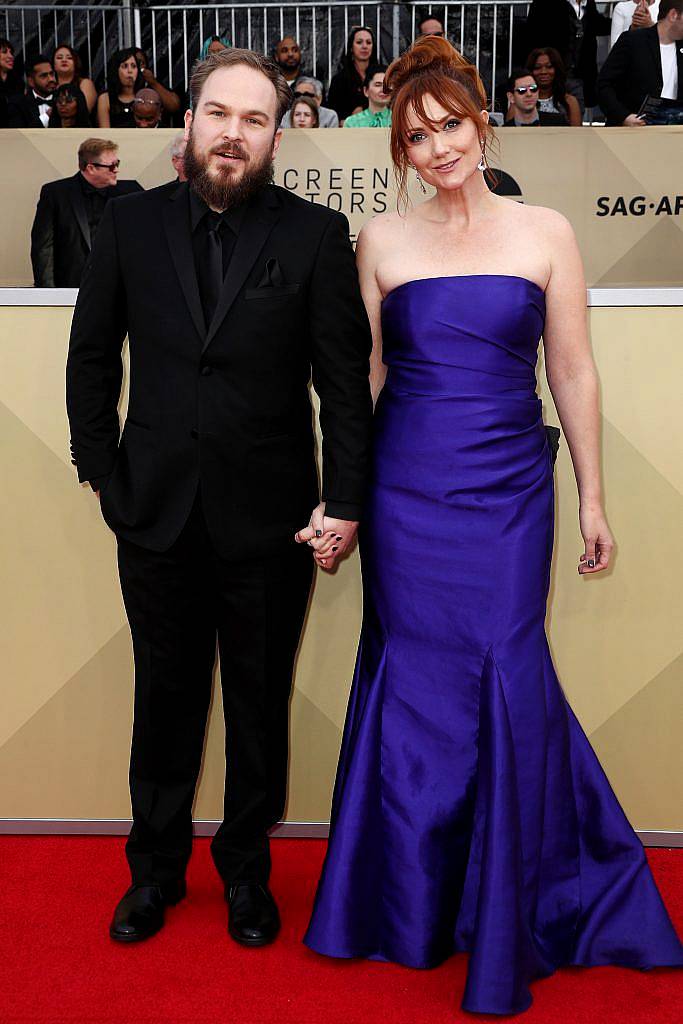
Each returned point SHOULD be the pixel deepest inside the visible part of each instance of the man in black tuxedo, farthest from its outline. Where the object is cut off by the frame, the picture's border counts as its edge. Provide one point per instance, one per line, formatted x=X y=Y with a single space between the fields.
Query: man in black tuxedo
x=69 y=212
x=214 y=473
x=636 y=66
x=572 y=27
x=34 y=108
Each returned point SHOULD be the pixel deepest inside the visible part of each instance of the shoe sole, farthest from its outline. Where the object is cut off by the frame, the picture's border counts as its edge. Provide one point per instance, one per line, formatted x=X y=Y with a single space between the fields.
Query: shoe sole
x=133 y=938
x=252 y=943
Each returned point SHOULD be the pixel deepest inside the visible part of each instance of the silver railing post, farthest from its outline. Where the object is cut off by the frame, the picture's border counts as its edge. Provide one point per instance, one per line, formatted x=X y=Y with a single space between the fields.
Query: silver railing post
x=127 y=22
x=395 y=29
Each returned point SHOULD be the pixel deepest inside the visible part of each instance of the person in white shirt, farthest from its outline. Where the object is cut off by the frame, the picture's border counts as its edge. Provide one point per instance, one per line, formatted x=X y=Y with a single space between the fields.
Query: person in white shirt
x=642 y=65
x=631 y=15
x=33 y=110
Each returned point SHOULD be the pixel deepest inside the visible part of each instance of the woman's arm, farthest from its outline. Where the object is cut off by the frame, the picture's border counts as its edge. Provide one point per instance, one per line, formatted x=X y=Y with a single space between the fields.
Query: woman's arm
x=88 y=89
x=366 y=260
x=573 y=381
x=574 y=111
x=170 y=101
x=103 y=120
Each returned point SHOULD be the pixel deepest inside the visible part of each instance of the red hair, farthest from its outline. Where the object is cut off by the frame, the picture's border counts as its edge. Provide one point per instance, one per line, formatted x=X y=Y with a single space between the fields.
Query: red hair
x=431 y=67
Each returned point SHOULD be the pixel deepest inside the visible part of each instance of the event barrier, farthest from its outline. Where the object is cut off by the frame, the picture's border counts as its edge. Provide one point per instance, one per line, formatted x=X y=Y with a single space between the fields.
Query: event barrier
x=67 y=669
x=172 y=34
x=618 y=187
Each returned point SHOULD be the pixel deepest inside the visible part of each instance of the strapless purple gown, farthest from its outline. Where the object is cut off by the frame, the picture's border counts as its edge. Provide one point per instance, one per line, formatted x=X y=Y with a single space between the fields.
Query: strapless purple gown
x=470 y=812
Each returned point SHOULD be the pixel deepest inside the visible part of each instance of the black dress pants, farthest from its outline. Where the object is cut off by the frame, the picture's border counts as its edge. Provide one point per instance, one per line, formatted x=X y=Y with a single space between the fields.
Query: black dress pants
x=178 y=603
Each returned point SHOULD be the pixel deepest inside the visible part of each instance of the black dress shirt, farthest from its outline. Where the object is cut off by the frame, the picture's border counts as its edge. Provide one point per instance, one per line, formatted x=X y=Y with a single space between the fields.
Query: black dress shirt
x=95 y=200
x=202 y=221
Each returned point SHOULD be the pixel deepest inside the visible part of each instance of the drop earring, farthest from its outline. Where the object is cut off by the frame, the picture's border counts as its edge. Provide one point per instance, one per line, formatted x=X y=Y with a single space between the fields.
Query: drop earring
x=420 y=182
x=481 y=166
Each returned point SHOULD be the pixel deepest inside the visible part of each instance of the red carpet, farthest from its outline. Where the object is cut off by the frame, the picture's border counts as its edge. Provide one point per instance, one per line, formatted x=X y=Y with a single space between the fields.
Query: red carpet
x=58 y=965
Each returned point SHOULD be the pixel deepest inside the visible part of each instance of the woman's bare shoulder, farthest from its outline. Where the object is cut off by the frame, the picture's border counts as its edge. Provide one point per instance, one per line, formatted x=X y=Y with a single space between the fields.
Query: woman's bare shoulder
x=381 y=227
x=541 y=218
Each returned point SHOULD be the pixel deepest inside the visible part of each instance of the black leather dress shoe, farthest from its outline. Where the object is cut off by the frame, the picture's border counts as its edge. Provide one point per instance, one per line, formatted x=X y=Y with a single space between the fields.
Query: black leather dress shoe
x=140 y=914
x=253 y=918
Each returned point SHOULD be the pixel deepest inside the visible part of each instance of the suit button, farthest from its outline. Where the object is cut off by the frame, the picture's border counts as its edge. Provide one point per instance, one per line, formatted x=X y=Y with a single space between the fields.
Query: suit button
x=206 y=371
x=194 y=434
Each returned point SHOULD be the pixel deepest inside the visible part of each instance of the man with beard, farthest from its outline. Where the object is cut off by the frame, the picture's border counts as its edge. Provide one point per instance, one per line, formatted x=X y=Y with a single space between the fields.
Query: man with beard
x=288 y=58
x=214 y=475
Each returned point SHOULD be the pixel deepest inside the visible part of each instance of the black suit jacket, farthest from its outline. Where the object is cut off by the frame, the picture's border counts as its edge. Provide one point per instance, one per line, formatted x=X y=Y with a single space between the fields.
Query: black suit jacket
x=23 y=112
x=632 y=71
x=223 y=406
x=552 y=23
x=60 y=236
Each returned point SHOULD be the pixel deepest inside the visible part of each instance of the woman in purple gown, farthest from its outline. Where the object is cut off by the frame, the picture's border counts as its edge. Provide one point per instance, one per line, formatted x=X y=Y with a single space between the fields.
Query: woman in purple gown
x=470 y=812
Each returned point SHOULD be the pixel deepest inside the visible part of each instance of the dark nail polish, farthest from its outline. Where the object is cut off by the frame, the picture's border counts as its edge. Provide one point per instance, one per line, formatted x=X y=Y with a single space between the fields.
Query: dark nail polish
x=338 y=537
x=318 y=533
x=335 y=549
x=591 y=563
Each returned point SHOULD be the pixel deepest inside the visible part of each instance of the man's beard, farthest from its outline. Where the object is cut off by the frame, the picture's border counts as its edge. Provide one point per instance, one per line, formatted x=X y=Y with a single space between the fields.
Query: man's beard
x=222 y=191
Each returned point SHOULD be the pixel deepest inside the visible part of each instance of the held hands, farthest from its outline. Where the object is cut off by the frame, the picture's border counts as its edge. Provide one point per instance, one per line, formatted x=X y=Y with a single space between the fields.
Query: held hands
x=597 y=539
x=329 y=538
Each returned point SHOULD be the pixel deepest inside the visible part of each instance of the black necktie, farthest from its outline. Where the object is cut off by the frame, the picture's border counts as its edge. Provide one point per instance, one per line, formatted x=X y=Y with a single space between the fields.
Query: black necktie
x=211 y=271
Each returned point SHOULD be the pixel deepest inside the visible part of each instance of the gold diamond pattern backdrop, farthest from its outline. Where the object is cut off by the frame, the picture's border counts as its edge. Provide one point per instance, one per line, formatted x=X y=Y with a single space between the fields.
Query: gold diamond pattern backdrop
x=65 y=719
x=67 y=669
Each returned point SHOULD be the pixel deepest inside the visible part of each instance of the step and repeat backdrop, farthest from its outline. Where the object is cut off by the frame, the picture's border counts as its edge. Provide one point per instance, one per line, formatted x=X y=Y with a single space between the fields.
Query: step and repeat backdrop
x=66 y=698
x=618 y=187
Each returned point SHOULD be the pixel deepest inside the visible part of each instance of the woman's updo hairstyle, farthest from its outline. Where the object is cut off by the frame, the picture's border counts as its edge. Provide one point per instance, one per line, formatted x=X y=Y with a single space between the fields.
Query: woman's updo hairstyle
x=431 y=67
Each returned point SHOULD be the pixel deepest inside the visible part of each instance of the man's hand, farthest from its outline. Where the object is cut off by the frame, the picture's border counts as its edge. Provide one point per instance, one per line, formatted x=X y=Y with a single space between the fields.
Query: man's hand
x=329 y=538
x=633 y=121
x=641 y=16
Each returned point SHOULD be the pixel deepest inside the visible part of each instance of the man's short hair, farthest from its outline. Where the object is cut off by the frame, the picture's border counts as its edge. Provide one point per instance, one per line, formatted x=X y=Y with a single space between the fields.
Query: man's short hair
x=314 y=83
x=233 y=58
x=177 y=147
x=33 y=62
x=669 y=5
x=426 y=16
x=90 y=150
x=373 y=69
x=518 y=73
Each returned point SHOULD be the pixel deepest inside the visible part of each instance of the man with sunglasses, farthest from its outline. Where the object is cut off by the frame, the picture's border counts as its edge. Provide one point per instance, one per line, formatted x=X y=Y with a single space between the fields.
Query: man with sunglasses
x=311 y=87
x=523 y=112
x=69 y=213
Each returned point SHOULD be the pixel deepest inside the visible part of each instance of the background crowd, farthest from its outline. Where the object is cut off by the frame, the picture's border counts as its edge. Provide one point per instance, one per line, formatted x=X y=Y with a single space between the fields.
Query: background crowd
x=556 y=82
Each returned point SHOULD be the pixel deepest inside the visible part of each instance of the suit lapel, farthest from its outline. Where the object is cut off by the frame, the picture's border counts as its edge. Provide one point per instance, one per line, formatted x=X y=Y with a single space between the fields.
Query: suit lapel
x=679 y=61
x=76 y=197
x=656 y=54
x=257 y=225
x=176 y=218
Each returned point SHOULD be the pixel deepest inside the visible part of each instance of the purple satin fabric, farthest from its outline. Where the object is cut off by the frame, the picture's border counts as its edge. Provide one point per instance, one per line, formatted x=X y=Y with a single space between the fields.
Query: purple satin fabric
x=470 y=812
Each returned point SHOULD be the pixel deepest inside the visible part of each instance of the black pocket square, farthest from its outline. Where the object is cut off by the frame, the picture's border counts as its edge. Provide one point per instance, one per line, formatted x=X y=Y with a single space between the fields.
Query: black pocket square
x=272 y=275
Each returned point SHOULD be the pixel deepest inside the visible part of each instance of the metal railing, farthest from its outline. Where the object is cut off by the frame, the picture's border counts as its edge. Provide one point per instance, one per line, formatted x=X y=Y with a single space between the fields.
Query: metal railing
x=483 y=30
x=173 y=35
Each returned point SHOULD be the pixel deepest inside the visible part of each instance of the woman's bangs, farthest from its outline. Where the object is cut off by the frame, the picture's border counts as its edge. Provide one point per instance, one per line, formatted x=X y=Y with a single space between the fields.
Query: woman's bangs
x=448 y=93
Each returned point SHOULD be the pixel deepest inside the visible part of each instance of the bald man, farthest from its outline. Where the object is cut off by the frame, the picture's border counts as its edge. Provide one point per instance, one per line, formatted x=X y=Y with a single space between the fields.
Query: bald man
x=288 y=58
x=147 y=109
